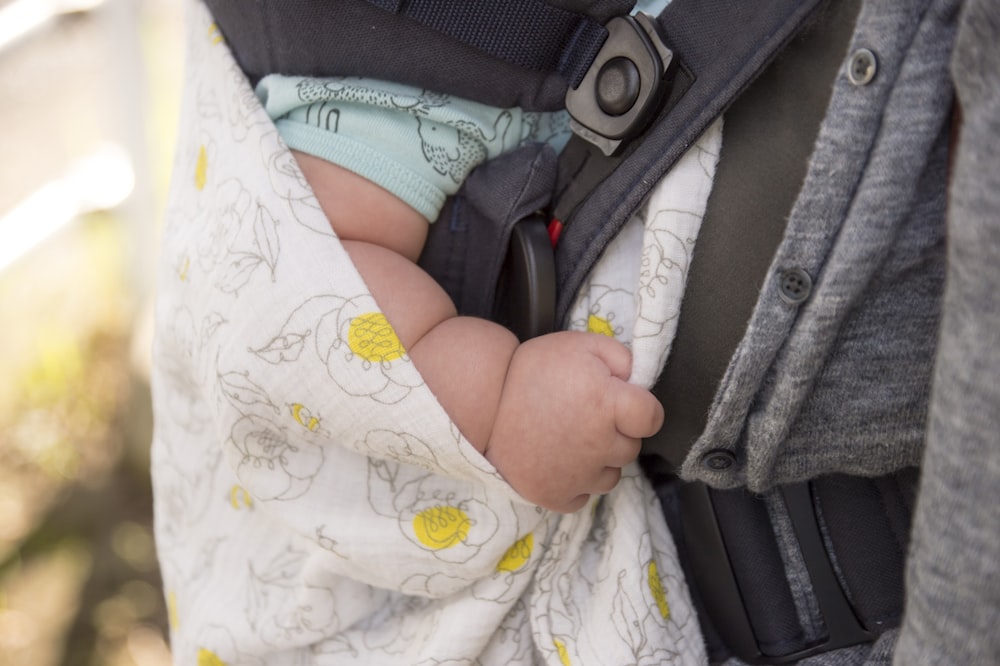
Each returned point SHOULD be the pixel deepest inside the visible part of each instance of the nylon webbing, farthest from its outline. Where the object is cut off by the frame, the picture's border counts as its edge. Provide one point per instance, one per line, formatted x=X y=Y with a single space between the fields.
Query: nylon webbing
x=527 y=33
x=759 y=570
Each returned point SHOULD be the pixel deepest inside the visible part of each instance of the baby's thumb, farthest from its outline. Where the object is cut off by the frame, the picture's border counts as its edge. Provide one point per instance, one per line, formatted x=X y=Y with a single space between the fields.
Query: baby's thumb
x=638 y=413
x=613 y=354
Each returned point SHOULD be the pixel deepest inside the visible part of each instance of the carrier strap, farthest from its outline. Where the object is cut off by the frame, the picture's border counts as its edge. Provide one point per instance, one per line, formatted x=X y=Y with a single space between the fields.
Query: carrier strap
x=512 y=53
x=527 y=33
x=719 y=49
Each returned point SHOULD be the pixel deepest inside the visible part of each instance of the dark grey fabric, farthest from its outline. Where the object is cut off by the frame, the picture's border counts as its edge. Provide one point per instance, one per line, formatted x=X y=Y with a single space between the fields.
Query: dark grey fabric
x=532 y=34
x=854 y=517
x=461 y=251
x=867 y=523
x=878 y=653
x=721 y=48
x=336 y=38
x=757 y=565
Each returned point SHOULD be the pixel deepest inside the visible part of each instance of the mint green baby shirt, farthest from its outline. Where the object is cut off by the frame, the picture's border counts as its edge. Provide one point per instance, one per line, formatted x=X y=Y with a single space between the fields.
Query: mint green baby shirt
x=417 y=144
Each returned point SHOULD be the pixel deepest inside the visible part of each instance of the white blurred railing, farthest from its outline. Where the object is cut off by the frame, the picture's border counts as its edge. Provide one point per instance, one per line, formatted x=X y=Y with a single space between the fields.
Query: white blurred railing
x=20 y=18
x=100 y=181
x=115 y=173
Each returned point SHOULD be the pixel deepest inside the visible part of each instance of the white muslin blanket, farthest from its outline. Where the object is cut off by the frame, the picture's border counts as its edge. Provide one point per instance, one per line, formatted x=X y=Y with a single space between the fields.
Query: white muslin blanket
x=314 y=503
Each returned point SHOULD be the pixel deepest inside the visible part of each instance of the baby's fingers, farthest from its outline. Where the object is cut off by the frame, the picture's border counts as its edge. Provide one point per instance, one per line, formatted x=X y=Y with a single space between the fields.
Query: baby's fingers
x=637 y=411
x=612 y=353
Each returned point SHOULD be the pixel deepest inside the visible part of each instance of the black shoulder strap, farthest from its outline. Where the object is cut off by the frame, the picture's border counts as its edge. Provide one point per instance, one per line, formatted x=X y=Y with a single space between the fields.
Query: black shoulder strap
x=850 y=534
x=504 y=54
x=532 y=34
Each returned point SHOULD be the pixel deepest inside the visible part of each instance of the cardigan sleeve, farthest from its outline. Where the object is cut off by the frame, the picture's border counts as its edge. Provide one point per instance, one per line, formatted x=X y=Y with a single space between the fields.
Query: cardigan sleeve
x=953 y=601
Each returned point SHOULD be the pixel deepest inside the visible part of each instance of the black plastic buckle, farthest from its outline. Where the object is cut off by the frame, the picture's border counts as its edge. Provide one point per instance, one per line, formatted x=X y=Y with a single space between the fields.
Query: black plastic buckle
x=621 y=91
x=526 y=290
x=719 y=588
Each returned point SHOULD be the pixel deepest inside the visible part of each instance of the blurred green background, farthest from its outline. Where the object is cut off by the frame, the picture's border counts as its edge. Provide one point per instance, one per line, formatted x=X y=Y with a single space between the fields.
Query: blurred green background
x=88 y=100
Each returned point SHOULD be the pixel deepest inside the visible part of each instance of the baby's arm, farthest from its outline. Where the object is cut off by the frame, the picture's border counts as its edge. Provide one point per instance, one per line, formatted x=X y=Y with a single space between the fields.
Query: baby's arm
x=554 y=415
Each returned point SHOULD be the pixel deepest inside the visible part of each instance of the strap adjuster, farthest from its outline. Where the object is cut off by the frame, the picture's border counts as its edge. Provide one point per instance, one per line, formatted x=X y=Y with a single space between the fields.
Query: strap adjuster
x=526 y=289
x=621 y=91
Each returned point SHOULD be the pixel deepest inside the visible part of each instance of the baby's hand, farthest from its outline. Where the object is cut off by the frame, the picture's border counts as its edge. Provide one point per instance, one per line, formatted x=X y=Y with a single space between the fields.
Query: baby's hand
x=568 y=421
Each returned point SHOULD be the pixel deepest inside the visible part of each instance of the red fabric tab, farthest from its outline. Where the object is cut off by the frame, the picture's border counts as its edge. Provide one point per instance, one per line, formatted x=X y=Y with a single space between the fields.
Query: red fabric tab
x=555 y=230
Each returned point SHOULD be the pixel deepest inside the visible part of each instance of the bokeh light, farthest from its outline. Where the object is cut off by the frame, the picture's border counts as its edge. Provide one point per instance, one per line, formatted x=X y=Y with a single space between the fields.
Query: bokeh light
x=88 y=101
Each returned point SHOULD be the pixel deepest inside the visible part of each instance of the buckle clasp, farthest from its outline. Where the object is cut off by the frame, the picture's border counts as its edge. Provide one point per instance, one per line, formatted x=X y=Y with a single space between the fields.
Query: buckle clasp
x=624 y=86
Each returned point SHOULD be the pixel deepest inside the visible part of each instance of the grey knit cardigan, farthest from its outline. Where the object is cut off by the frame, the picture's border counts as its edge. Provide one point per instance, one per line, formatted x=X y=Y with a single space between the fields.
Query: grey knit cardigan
x=894 y=359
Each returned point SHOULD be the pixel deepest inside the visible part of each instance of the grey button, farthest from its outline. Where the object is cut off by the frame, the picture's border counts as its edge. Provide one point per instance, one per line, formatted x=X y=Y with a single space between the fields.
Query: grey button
x=618 y=85
x=718 y=460
x=794 y=286
x=862 y=67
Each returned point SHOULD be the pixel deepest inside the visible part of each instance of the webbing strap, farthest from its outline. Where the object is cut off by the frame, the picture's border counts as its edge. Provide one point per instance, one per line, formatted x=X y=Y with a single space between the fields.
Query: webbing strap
x=849 y=536
x=758 y=569
x=528 y=33
x=867 y=523
x=721 y=47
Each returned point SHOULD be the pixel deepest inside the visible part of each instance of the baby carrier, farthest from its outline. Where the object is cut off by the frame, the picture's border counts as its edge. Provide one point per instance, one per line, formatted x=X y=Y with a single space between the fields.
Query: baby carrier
x=640 y=91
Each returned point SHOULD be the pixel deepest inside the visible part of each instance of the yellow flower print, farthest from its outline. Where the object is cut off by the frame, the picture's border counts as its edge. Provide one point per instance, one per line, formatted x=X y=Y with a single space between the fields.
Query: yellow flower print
x=304 y=417
x=214 y=34
x=603 y=311
x=372 y=337
x=453 y=527
x=184 y=269
x=656 y=588
x=600 y=325
x=216 y=647
x=201 y=168
x=562 y=651
x=172 y=616
x=441 y=527
x=362 y=352
x=239 y=498
x=517 y=555
x=208 y=658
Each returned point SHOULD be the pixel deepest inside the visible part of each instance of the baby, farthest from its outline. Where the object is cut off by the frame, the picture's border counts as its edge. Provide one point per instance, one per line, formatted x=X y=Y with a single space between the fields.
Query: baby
x=557 y=402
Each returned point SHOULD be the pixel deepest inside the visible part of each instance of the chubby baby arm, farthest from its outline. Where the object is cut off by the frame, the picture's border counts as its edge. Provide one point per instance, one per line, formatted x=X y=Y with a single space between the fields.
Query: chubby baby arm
x=554 y=415
x=462 y=359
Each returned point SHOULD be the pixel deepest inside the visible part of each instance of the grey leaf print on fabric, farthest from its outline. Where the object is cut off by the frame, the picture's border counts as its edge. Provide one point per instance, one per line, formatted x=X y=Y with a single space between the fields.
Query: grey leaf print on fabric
x=243 y=393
